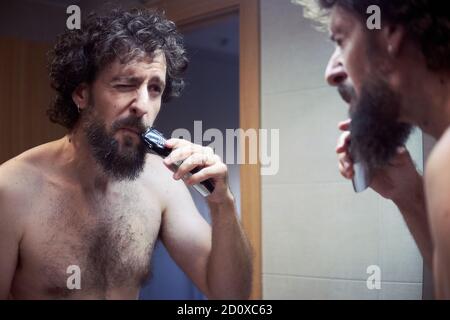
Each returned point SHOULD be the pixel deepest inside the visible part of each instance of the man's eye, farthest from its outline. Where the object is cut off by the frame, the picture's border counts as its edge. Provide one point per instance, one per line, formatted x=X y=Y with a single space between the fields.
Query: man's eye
x=124 y=86
x=155 y=88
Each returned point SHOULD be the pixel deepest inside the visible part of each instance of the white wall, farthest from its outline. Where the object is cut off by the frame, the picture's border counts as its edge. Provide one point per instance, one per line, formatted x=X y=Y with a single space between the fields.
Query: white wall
x=318 y=236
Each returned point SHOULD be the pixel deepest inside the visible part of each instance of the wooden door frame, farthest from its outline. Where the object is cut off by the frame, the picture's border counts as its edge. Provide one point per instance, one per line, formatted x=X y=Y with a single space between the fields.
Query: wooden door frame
x=188 y=13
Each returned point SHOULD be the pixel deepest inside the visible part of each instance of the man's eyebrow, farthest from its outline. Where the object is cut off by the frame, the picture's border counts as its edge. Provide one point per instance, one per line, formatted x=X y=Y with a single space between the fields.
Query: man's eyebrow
x=126 y=78
x=335 y=32
x=133 y=79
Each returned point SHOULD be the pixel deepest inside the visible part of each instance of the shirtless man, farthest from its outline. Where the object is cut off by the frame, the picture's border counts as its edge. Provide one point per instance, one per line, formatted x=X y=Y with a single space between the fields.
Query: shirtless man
x=393 y=78
x=94 y=199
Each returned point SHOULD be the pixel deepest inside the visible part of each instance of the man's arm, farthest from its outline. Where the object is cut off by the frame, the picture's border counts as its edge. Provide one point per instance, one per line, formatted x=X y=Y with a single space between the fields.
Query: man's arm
x=399 y=182
x=9 y=236
x=216 y=258
x=437 y=186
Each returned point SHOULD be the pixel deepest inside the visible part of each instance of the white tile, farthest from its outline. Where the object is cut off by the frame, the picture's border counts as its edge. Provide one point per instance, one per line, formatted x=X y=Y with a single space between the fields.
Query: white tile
x=400 y=259
x=415 y=147
x=278 y=287
x=294 y=54
x=401 y=291
x=319 y=230
x=307 y=121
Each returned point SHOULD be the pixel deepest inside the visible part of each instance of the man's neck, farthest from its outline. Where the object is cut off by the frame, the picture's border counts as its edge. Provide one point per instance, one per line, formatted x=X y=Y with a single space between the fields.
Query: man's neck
x=434 y=114
x=81 y=165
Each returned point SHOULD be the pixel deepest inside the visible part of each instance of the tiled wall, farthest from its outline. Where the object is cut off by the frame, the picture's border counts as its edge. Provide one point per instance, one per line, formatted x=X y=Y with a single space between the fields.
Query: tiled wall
x=318 y=236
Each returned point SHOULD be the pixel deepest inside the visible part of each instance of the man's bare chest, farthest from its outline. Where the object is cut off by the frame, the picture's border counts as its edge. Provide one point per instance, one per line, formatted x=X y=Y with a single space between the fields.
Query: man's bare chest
x=108 y=240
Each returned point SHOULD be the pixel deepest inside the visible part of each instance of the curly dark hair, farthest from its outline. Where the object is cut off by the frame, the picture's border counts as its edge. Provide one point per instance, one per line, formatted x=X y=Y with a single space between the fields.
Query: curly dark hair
x=427 y=22
x=79 y=55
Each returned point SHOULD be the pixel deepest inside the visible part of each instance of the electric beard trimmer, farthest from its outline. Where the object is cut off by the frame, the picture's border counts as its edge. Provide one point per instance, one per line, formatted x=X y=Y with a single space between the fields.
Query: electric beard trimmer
x=363 y=174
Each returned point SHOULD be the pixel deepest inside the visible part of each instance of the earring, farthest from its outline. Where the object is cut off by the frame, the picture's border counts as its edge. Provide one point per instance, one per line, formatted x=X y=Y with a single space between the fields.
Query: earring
x=78 y=107
x=390 y=49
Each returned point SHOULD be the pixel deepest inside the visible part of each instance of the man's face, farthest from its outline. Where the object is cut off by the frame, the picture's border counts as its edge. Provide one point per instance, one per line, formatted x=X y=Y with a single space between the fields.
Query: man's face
x=124 y=101
x=374 y=106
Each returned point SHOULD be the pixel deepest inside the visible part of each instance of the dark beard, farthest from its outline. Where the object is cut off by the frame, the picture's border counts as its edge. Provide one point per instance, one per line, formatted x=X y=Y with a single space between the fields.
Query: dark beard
x=375 y=130
x=127 y=164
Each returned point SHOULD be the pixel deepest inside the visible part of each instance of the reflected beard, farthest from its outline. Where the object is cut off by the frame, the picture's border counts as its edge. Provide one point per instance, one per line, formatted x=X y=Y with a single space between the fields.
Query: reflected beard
x=125 y=164
x=375 y=129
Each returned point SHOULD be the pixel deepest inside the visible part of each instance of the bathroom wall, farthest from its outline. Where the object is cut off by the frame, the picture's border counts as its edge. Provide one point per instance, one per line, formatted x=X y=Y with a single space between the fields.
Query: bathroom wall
x=34 y=20
x=319 y=238
x=26 y=31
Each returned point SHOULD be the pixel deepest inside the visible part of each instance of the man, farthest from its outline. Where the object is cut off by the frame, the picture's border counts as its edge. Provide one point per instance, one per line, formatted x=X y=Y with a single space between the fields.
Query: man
x=94 y=201
x=394 y=78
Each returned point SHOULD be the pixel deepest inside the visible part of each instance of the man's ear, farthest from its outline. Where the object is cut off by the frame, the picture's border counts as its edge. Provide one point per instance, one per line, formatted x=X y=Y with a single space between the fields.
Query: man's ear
x=394 y=37
x=80 y=96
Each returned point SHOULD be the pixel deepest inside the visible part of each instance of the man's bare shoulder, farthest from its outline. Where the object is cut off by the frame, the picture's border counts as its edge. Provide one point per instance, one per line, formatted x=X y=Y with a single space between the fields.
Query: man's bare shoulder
x=437 y=178
x=18 y=177
x=156 y=173
x=438 y=164
x=25 y=172
x=160 y=179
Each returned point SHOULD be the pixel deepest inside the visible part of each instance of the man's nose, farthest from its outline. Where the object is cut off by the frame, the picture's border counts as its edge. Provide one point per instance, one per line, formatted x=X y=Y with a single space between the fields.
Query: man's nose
x=141 y=104
x=335 y=73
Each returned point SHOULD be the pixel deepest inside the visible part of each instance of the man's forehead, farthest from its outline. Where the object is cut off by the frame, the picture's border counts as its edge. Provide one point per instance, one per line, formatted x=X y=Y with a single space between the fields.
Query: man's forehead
x=341 y=20
x=155 y=64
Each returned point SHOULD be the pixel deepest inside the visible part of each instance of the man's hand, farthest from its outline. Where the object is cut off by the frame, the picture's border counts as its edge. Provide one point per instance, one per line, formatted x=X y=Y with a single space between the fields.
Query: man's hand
x=397 y=181
x=210 y=165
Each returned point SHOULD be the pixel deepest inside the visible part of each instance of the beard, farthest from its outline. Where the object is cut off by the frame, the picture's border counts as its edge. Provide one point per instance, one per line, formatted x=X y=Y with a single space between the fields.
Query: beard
x=376 y=133
x=120 y=162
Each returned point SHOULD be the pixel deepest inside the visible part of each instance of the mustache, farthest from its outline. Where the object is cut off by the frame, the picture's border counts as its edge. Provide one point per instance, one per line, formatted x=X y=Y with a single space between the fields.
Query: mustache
x=130 y=122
